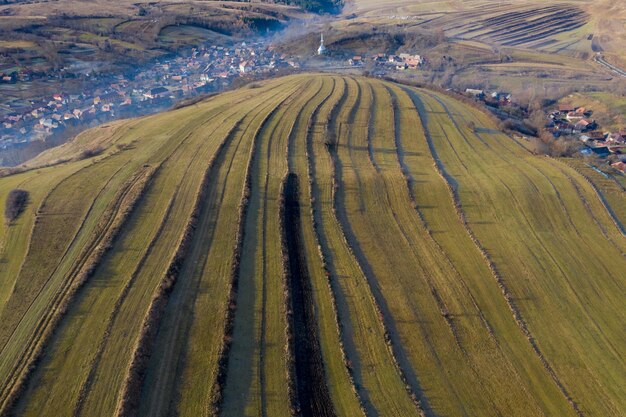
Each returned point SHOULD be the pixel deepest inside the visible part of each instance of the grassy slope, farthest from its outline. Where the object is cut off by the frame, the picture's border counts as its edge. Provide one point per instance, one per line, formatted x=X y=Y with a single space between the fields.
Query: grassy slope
x=257 y=360
x=125 y=263
x=340 y=384
x=448 y=264
x=15 y=236
x=435 y=204
x=204 y=281
x=548 y=247
x=63 y=237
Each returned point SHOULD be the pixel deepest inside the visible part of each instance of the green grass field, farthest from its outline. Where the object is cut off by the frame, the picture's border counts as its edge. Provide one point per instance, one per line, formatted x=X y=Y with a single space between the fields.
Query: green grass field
x=451 y=272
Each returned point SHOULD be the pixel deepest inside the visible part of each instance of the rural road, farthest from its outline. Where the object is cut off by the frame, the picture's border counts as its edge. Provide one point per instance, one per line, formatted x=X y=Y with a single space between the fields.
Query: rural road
x=600 y=59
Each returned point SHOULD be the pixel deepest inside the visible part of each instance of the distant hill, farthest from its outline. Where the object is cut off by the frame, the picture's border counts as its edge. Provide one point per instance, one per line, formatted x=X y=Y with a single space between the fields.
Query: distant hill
x=570 y=28
x=316 y=244
x=53 y=35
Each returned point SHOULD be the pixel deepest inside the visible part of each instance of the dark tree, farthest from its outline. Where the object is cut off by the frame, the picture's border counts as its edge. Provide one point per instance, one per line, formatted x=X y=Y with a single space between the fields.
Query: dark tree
x=16 y=203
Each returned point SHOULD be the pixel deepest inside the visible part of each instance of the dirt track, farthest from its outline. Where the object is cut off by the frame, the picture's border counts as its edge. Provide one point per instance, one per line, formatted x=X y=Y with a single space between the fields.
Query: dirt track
x=600 y=59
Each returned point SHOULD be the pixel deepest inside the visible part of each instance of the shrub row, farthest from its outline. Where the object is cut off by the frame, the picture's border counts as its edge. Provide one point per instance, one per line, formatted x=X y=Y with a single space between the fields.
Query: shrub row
x=287 y=297
x=128 y=402
x=217 y=391
x=289 y=327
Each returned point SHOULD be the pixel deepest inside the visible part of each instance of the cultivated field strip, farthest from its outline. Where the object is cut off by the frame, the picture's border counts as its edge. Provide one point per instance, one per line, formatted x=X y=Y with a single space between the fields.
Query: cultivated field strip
x=548 y=254
x=108 y=303
x=256 y=381
x=371 y=360
x=338 y=377
x=317 y=245
x=513 y=25
x=435 y=200
x=205 y=279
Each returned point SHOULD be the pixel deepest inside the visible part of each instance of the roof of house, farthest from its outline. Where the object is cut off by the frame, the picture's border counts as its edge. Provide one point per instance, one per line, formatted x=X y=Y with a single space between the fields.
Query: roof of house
x=595 y=135
x=159 y=90
x=619 y=165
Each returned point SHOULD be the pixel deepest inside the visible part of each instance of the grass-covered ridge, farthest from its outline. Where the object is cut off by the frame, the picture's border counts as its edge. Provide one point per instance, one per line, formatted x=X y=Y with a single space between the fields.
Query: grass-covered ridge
x=312 y=245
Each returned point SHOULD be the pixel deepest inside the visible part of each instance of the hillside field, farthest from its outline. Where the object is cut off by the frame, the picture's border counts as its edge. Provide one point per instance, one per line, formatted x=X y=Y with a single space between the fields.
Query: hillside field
x=512 y=46
x=313 y=245
x=570 y=27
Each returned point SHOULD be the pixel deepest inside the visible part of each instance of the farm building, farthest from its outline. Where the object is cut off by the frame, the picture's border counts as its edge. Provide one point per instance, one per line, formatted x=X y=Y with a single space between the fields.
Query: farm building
x=574 y=116
x=355 y=61
x=475 y=93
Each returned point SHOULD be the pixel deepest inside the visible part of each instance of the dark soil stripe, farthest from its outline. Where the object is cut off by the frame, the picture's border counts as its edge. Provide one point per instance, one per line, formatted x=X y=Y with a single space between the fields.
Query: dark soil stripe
x=312 y=392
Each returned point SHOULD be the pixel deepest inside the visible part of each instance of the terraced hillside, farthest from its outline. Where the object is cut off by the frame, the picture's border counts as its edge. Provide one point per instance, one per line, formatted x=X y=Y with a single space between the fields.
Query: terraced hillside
x=529 y=26
x=315 y=245
x=527 y=23
x=572 y=28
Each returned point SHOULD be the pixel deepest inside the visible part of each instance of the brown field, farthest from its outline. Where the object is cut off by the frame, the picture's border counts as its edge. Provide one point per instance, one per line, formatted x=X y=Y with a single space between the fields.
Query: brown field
x=577 y=29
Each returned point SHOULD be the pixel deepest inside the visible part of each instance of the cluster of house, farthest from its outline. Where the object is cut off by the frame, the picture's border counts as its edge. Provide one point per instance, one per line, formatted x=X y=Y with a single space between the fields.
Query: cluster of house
x=490 y=97
x=569 y=120
x=14 y=76
x=203 y=69
x=398 y=62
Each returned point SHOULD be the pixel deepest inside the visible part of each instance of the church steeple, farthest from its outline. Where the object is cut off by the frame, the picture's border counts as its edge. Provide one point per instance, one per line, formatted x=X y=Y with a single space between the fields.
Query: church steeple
x=322 y=49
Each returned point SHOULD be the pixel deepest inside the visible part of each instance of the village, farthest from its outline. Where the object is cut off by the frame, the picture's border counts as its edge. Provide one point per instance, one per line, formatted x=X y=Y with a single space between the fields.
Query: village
x=571 y=121
x=211 y=68
x=398 y=62
x=381 y=61
x=199 y=71
x=566 y=121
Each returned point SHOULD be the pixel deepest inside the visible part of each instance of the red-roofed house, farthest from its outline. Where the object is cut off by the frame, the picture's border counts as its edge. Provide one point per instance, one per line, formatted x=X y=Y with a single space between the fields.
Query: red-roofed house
x=582 y=125
x=621 y=166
